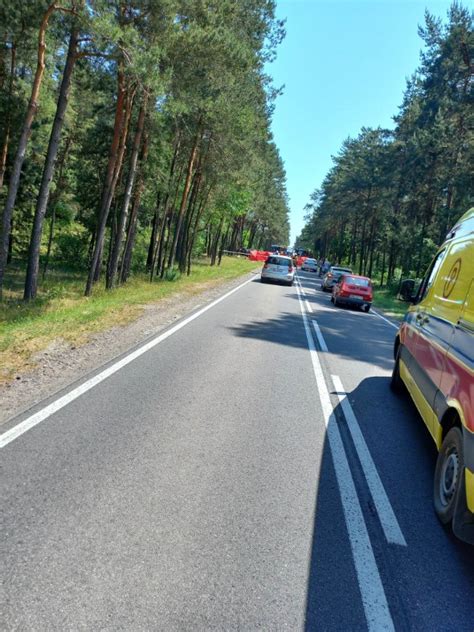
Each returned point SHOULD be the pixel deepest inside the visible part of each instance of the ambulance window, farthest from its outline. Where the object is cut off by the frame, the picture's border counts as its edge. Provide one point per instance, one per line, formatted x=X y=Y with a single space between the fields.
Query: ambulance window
x=431 y=275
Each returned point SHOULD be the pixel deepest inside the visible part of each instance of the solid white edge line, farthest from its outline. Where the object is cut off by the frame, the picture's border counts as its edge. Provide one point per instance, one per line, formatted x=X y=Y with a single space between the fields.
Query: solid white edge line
x=387 y=517
x=385 y=319
x=28 y=423
x=374 y=601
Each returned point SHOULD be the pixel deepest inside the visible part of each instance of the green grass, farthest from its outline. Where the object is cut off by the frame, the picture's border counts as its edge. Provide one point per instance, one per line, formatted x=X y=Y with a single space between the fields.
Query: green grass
x=385 y=299
x=62 y=312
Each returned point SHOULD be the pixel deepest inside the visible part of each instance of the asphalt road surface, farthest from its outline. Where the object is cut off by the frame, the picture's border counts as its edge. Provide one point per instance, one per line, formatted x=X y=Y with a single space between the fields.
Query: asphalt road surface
x=248 y=470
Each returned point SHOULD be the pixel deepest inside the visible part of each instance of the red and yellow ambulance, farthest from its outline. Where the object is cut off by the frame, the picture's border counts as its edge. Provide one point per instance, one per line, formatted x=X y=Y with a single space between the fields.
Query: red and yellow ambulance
x=434 y=360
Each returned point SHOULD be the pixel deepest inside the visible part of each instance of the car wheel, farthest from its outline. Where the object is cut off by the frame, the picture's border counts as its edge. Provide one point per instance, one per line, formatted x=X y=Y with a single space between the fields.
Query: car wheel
x=262 y=280
x=448 y=475
x=396 y=382
x=366 y=309
x=336 y=302
x=332 y=298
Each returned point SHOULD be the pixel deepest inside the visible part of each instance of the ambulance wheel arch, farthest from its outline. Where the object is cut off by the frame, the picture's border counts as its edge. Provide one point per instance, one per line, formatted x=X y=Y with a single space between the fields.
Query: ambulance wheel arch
x=451 y=418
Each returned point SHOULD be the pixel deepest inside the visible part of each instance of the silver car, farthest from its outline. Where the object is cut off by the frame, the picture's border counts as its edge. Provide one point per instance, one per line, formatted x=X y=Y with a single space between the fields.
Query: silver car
x=332 y=276
x=310 y=265
x=278 y=268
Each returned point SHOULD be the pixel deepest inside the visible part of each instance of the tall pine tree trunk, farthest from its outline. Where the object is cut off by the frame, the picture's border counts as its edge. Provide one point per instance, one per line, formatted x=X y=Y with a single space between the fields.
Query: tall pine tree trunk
x=132 y=224
x=6 y=138
x=53 y=200
x=122 y=220
x=183 y=253
x=153 y=236
x=31 y=282
x=131 y=232
x=156 y=243
x=24 y=136
x=117 y=148
x=187 y=184
x=201 y=209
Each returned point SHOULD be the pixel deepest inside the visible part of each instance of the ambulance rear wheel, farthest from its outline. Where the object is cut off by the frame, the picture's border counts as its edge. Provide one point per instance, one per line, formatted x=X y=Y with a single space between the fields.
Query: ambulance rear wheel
x=448 y=475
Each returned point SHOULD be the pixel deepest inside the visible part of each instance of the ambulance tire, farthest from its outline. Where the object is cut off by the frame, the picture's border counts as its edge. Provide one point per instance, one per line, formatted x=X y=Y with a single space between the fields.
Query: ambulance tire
x=396 y=382
x=448 y=475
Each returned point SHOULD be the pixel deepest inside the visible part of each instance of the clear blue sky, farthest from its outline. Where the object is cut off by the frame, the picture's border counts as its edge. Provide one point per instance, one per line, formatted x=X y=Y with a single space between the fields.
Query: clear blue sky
x=344 y=64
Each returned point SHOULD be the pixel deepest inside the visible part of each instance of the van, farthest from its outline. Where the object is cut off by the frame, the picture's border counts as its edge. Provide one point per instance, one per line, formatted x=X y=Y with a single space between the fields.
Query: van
x=434 y=362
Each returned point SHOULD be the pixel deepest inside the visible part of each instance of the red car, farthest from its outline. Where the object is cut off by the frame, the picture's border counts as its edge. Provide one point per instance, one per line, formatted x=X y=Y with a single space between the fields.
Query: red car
x=353 y=290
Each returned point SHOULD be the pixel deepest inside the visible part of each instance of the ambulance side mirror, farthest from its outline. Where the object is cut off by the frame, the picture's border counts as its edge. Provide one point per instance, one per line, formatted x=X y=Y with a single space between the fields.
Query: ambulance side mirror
x=407 y=291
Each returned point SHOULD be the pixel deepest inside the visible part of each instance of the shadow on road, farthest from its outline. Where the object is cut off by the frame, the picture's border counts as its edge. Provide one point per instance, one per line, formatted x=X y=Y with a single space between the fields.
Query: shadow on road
x=347 y=331
x=405 y=458
x=285 y=329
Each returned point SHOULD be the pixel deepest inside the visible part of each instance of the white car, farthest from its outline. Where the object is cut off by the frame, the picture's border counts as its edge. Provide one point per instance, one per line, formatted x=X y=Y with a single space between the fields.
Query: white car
x=278 y=268
x=310 y=265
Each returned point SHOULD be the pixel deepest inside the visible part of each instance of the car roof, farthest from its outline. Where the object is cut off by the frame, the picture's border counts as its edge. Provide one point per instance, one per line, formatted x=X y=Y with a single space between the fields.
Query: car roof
x=358 y=276
x=340 y=268
x=280 y=256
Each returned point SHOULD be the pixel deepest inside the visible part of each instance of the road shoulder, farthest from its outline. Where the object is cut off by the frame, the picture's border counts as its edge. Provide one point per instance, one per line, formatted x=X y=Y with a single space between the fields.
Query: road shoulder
x=61 y=364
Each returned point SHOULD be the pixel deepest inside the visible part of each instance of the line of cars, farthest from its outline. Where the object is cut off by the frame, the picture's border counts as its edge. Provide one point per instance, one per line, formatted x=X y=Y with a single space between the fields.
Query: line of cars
x=347 y=288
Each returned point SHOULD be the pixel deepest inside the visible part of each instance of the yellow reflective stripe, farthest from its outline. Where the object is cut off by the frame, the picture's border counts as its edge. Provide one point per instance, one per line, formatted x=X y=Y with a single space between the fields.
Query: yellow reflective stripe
x=470 y=490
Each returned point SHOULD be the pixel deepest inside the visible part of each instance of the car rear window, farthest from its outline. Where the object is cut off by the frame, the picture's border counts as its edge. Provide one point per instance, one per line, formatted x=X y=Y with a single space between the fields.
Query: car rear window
x=355 y=281
x=341 y=271
x=279 y=261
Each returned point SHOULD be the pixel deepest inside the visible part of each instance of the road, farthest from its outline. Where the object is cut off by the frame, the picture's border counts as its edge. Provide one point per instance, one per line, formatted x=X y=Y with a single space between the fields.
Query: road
x=248 y=471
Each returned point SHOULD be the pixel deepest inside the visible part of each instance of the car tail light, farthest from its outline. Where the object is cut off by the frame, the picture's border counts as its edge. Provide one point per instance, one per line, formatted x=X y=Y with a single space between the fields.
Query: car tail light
x=290 y=269
x=265 y=265
x=329 y=275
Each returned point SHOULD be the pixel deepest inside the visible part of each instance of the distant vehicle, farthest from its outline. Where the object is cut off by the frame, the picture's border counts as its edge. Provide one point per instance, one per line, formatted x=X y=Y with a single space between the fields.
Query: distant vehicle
x=301 y=252
x=332 y=276
x=278 y=268
x=434 y=360
x=275 y=249
x=324 y=268
x=353 y=290
x=310 y=265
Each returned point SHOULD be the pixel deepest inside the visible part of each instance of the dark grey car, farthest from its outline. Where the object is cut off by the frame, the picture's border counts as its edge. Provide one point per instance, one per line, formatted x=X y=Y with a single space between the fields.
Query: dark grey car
x=332 y=276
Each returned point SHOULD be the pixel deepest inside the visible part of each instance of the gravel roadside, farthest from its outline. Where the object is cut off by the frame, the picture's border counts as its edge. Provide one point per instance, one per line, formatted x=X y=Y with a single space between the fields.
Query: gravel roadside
x=61 y=364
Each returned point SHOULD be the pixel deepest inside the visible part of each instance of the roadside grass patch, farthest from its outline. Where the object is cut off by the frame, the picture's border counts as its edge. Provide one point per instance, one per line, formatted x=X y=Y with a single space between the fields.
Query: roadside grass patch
x=385 y=299
x=62 y=312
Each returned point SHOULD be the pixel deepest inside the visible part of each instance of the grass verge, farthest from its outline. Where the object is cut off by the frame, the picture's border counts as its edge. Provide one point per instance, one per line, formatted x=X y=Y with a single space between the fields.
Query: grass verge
x=62 y=312
x=386 y=300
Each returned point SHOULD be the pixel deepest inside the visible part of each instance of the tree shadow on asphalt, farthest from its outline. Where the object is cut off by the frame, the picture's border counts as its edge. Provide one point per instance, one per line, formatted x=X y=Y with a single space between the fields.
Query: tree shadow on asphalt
x=405 y=457
x=287 y=328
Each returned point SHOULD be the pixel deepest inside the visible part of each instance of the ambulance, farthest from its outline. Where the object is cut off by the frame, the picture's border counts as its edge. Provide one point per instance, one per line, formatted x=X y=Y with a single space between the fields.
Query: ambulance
x=434 y=362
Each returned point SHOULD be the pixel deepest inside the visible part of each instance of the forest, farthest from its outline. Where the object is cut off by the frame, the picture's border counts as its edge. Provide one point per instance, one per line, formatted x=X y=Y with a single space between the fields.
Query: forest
x=135 y=137
x=392 y=195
